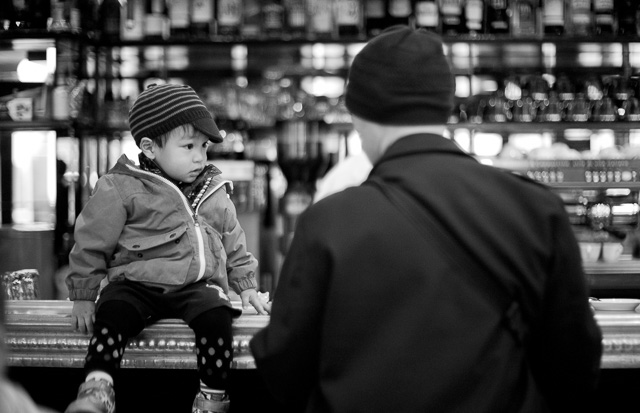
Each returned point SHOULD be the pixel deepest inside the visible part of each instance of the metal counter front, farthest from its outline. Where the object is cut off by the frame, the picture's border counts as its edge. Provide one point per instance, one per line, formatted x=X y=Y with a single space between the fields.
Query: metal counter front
x=38 y=334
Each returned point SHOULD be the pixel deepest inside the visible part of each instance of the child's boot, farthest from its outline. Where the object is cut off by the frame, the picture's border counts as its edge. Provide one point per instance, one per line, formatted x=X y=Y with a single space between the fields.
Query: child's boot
x=210 y=403
x=94 y=396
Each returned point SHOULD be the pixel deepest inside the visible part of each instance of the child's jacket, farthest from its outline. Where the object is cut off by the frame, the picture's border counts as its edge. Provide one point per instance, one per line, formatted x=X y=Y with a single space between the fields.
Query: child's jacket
x=139 y=226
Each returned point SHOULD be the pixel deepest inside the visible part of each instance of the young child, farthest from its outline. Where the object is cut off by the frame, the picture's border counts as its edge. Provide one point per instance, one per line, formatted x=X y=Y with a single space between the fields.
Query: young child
x=164 y=238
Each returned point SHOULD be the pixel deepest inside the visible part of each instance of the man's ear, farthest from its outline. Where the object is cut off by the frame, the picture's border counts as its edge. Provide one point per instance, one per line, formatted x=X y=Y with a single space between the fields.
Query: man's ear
x=148 y=146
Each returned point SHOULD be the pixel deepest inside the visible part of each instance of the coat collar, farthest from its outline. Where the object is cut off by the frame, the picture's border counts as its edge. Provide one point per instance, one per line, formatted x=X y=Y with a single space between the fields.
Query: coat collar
x=424 y=143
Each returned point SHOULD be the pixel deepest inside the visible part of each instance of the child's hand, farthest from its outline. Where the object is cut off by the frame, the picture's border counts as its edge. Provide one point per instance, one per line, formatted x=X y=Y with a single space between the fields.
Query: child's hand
x=251 y=296
x=83 y=315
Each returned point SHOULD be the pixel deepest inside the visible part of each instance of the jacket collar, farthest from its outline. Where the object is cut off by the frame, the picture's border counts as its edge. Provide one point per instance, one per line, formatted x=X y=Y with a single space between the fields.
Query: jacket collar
x=424 y=143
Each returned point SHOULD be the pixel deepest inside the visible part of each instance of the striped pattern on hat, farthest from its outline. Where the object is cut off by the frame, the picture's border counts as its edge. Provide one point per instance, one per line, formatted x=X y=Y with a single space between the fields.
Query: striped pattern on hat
x=162 y=108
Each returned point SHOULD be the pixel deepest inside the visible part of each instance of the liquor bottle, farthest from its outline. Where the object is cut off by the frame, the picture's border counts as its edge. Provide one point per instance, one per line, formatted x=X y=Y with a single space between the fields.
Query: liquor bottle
x=452 y=17
x=179 y=18
x=272 y=18
x=41 y=11
x=374 y=16
x=321 y=19
x=156 y=20
x=627 y=11
x=89 y=17
x=553 y=17
x=349 y=18
x=497 y=16
x=6 y=15
x=580 y=17
x=75 y=16
x=132 y=24
x=427 y=15
x=109 y=15
x=22 y=14
x=60 y=99
x=228 y=17
x=201 y=23
x=398 y=12
x=604 y=16
x=523 y=18
x=251 y=25
x=523 y=109
x=474 y=16
x=59 y=22
x=295 y=18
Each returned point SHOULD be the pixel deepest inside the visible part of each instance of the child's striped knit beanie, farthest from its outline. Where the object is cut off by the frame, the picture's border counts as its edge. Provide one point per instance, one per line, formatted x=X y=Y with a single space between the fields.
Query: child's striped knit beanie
x=162 y=108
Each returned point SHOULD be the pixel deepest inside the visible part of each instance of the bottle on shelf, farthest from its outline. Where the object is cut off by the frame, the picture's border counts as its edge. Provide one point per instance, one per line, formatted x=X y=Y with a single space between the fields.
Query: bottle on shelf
x=604 y=16
x=156 y=20
x=41 y=12
x=75 y=16
x=427 y=15
x=579 y=109
x=180 y=18
x=398 y=12
x=523 y=18
x=201 y=18
x=497 y=17
x=6 y=15
x=474 y=16
x=228 y=17
x=452 y=17
x=110 y=14
x=350 y=18
x=60 y=99
x=132 y=22
x=89 y=17
x=59 y=22
x=553 y=17
x=251 y=25
x=272 y=18
x=374 y=16
x=580 y=17
x=321 y=24
x=604 y=110
x=497 y=109
x=22 y=14
x=628 y=16
x=295 y=18
x=551 y=110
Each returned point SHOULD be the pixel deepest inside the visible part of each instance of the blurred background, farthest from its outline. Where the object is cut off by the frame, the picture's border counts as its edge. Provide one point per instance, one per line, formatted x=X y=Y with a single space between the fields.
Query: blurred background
x=546 y=88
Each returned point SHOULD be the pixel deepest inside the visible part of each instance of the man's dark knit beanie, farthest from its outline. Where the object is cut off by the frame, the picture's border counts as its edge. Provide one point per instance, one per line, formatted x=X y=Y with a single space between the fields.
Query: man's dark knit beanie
x=401 y=77
x=162 y=108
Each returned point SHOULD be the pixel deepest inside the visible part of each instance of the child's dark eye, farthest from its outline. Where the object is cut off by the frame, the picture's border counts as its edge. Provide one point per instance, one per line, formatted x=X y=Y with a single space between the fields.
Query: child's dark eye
x=189 y=146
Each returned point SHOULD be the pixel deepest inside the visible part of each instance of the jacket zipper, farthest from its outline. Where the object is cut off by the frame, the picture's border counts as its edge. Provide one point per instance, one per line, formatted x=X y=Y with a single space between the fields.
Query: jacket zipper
x=194 y=216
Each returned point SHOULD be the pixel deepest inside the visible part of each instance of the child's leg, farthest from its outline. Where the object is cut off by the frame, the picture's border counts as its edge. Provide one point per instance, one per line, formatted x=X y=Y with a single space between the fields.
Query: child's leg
x=116 y=322
x=214 y=350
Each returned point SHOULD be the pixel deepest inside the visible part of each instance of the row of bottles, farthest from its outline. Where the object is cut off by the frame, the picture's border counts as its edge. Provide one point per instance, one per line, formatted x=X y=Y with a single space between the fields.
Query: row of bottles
x=322 y=19
x=533 y=99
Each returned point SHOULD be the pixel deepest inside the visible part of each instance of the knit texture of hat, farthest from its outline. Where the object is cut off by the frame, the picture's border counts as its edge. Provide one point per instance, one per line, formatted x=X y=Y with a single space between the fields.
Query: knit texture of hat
x=401 y=77
x=162 y=108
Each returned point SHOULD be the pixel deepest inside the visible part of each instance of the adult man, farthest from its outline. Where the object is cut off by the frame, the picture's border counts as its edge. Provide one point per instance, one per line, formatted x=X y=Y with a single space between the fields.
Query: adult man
x=482 y=309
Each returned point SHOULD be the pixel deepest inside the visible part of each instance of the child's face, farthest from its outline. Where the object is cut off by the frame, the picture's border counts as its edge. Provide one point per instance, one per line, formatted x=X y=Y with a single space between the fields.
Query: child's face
x=183 y=155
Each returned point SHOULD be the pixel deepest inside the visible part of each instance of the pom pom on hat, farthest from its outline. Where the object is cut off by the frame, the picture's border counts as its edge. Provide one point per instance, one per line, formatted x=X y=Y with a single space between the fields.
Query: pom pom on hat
x=162 y=108
x=401 y=77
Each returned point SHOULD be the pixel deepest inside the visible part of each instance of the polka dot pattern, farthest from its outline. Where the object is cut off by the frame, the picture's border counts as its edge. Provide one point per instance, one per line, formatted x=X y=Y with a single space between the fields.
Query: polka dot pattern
x=214 y=360
x=106 y=349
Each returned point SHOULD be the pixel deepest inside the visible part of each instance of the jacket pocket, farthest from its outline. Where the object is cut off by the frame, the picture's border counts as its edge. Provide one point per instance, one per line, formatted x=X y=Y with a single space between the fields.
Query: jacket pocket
x=216 y=249
x=158 y=259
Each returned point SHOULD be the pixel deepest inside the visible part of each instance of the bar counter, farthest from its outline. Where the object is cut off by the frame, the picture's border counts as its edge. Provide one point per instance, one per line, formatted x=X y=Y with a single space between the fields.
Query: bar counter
x=38 y=334
x=46 y=356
